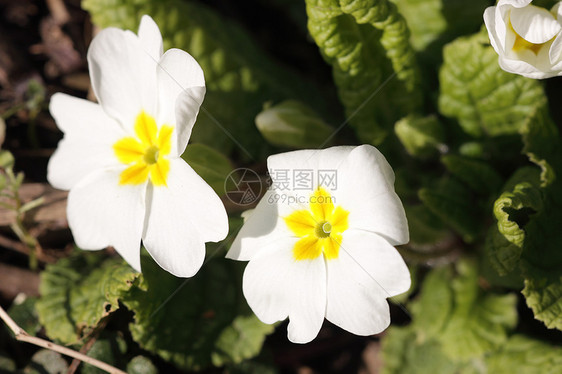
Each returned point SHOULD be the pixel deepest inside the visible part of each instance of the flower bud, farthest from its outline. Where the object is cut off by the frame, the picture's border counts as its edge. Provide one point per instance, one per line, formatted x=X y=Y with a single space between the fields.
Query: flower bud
x=294 y=125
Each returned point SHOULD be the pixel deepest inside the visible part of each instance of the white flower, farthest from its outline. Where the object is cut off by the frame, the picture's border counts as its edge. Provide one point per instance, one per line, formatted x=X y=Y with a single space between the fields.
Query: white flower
x=121 y=159
x=328 y=251
x=526 y=38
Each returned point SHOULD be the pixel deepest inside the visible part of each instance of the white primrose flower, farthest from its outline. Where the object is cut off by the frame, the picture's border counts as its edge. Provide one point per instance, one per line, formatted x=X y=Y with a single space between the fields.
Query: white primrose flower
x=120 y=158
x=527 y=38
x=325 y=251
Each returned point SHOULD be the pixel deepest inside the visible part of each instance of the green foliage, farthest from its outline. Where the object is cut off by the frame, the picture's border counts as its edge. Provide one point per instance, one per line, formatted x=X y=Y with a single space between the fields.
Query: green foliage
x=438 y=21
x=458 y=327
x=25 y=316
x=80 y=290
x=484 y=99
x=198 y=322
x=450 y=200
x=421 y=136
x=292 y=124
x=366 y=43
x=45 y=361
x=108 y=348
x=210 y=164
x=476 y=174
x=239 y=76
x=141 y=365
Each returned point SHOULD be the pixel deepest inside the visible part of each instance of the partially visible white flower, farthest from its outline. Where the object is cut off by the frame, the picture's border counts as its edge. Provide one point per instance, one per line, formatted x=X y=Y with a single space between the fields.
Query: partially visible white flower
x=328 y=251
x=527 y=38
x=120 y=158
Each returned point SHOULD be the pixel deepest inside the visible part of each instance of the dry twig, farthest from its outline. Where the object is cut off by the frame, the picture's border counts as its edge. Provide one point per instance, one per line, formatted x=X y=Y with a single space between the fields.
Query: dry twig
x=23 y=336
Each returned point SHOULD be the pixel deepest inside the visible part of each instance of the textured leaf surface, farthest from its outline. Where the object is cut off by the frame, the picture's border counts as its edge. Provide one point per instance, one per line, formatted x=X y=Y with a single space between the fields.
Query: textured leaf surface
x=78 y=291
x=451 y=201
x=366 y=43
x=437 y=21
x=477 y=175
x=198 y=322
x=421 y=136
x=484 y=99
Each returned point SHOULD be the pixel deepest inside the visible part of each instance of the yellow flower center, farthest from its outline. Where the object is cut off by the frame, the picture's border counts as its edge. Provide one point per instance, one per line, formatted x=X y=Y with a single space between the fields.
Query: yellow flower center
x=522 y=44
x=146 y=153
x=320 y=228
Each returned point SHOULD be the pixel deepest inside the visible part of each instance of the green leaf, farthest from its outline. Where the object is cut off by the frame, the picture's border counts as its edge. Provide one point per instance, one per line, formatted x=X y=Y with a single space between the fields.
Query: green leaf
x=24 y=314
x=523 y=355
x=210 y=164
x=7 y=365
x=45 y=361
x=480 y=321
x=6 y=159
x=195 y=323
x=453 y=310
x=108 y=348
x=239 y=76
x=451 y=201
x=141 y=365
x=421 y=136
x=483 y=98
x=293 y=124
x=404 y=354
x=478 y=175
x=424 y=226
x=433 y=308
x=366 y=43
x=437 y=21
x=80 y=290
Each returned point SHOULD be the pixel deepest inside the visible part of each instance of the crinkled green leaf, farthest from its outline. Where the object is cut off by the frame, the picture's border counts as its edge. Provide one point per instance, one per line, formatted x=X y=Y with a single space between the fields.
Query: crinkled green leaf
x=454 y=311
x=433 y=308
x=523 y=355
x=80 y=290
x=478 y=175
x=437 y=21
x=480 y=321
x=141 y=365
x=239 y=76
x=293 y=124
x=482 y=97
x=451 y=201
x=198 y=322
x=403 y=353
x=366 y=43
x=210 y=164
x=421 y=136
x=46 y=361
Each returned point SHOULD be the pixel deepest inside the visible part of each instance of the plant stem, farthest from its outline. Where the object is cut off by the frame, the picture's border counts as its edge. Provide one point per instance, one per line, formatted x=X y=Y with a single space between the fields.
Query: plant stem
x=23 y=336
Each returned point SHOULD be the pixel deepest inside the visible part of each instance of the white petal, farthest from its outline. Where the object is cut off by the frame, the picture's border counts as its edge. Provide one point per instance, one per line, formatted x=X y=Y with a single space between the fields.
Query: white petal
x=490 y=22
x=87 y=144
x=555 y=51
x=123 y=75
x=260 y=232
x=522 y=68
x=534 y=24
x=150 y=37
x=181 y=218
x=102 y=213
x=366 y=189
x=277 y=286
x=502 y=13
x=181 y=89
x=366 y=272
